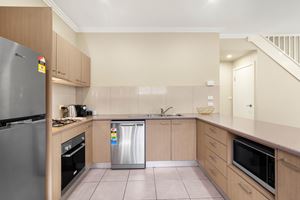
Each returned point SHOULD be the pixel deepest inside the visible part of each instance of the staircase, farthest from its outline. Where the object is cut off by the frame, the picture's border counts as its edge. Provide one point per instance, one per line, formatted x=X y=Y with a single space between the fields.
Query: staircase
x=284 y=49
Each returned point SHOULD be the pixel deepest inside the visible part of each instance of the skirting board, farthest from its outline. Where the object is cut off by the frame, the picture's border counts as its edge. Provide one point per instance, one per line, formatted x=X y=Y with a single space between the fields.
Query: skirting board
x=188 y=163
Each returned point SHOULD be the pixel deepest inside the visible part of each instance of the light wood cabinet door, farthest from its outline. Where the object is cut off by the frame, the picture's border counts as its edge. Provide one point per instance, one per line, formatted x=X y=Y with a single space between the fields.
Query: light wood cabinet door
x=75 y=65
x=101 y=141
x=54 y=49
x=56 y=166
x=184 y=139
x=200 y=142
x=85 y=70
x=89 y=146
x=288 y=179
x=63 y=57
x=239 y=189
x=158 y=134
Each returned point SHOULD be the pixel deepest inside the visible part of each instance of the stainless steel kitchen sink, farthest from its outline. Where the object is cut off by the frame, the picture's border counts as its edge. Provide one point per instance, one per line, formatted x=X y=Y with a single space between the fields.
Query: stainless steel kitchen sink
x=163 y=116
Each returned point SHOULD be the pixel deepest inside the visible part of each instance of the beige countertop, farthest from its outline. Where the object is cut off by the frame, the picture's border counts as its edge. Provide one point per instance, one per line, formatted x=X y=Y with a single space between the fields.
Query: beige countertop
x=273 y=135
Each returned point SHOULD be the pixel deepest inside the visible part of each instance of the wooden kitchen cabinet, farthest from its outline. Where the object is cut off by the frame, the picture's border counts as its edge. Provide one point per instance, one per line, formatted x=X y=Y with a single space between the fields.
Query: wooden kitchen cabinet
x=85 y=70
x=201 y=149
x=54 y=51
x=89 y=145
x=101 y=141
x=288 y=177
x=184 y=139
x=75 y=65
x=239 y=189
x=62 y=58
x=158 y=134
x=56 y=166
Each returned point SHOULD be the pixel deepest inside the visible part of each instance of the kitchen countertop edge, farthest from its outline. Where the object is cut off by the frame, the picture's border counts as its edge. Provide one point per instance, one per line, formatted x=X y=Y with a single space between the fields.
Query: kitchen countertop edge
x=254 y=130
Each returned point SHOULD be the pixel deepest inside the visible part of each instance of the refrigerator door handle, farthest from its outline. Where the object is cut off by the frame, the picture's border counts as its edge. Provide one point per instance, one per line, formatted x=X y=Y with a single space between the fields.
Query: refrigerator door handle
x=28 y=121
x=38 y=121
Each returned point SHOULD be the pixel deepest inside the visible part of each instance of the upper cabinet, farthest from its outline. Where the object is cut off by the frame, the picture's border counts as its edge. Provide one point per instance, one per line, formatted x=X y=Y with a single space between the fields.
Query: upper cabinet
x=70 y=65
x=85 y=70
x=62 y=58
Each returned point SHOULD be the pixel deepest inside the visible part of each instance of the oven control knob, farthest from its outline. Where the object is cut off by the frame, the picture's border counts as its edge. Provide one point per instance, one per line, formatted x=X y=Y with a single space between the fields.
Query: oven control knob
x=67 y=148
x=82 y=138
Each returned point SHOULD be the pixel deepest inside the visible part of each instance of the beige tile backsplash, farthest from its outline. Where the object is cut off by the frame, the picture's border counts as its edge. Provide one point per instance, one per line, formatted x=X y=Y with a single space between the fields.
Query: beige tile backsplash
x=142 y=100
x=62 y=95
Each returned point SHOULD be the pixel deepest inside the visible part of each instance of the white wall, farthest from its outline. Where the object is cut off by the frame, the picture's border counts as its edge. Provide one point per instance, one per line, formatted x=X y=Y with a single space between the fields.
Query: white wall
x=226 y=88
x=277 y=93
x=152 y=59
x=141 y=72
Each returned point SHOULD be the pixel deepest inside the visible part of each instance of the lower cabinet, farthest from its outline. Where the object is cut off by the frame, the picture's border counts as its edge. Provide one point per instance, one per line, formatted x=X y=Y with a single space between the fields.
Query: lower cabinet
x=171 y=140
x=158 y=137
x=239 y=189
x=101 y=141
x=183 y=139
x=201 y=149
x=89 y=145
x=288 y=177
x=56 y=166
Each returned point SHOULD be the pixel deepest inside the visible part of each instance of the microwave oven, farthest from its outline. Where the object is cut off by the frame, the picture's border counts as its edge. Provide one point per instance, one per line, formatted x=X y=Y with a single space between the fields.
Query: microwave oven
x=256 y=160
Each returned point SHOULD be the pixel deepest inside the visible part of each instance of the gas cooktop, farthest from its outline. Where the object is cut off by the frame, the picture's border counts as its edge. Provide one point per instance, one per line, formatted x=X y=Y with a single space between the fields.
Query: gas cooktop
x=63 y=122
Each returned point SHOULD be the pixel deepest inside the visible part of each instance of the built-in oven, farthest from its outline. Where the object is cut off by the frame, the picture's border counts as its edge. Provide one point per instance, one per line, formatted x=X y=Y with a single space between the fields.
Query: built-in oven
x=72 y=159
x=256 y=160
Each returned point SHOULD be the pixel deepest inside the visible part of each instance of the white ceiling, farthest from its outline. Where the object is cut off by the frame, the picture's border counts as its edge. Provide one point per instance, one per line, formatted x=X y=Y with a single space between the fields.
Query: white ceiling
x=229 y=17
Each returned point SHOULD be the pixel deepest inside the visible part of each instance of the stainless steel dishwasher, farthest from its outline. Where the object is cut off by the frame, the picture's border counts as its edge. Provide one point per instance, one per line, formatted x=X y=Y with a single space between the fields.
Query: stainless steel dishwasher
x=127 y=140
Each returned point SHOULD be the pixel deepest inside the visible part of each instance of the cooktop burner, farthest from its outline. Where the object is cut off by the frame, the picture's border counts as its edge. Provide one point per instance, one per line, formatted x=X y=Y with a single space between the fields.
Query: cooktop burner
x=62 y=122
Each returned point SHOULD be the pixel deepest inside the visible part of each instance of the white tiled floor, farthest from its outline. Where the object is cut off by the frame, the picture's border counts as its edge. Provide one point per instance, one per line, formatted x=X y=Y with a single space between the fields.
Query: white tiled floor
x=151 y=183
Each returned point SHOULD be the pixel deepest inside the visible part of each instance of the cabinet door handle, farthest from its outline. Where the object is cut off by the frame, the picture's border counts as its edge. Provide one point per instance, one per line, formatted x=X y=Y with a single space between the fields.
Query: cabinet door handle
x=212 y=144
x=245 y=188
x=176 y=123
x=212 y=130
x=213 y=158
x=290 y=165
x=213 y=172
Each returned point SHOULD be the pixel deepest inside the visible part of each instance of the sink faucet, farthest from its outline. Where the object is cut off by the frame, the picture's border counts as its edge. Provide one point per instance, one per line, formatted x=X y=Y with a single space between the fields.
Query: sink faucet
x=163 y=112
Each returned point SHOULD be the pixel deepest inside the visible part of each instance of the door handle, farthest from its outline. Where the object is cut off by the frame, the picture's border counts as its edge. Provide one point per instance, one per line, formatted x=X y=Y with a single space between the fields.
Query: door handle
x=250 y=105
x=71 y=154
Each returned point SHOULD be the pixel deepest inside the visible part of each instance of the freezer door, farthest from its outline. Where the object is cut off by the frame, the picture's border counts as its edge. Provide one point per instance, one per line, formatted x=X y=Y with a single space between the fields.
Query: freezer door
x=128 y=149
x=22 y=166
x=22 y=85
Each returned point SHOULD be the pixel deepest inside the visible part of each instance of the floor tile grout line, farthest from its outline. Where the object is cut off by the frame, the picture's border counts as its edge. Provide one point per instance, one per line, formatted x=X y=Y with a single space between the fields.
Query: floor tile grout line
x=98 y=184
x=183 y=183
x=126 y=185
x=154 y=184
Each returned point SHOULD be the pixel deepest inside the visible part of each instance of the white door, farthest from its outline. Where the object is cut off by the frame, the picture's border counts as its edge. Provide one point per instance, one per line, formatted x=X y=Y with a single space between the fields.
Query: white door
x=243 y=92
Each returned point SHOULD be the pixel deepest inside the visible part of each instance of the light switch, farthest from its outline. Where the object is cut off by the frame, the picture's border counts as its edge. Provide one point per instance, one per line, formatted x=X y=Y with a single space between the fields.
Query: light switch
x=210 y=83
x=210 y=103
x=210 y=98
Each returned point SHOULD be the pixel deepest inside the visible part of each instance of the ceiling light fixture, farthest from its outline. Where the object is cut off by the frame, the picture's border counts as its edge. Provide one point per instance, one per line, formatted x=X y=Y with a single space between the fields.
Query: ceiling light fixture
x=229 y=56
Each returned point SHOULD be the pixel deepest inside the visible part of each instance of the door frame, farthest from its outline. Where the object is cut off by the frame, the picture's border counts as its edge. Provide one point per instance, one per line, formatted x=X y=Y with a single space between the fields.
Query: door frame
x=254 y=86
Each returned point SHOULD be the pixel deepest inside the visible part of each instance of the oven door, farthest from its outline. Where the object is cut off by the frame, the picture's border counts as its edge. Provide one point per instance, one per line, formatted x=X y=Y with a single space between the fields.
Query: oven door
x=72 y=162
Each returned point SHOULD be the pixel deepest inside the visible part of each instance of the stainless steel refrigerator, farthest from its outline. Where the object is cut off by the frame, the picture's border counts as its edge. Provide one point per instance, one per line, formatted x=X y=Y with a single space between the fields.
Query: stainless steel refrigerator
x=127 y=140
x=22 y=122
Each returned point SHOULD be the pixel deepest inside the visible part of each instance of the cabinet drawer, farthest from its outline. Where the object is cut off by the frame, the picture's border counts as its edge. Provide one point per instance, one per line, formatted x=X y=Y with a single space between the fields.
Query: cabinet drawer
x=217 y=162
x=216 y=176
x=216 y=147
x=216 y=133
x=239 y=189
